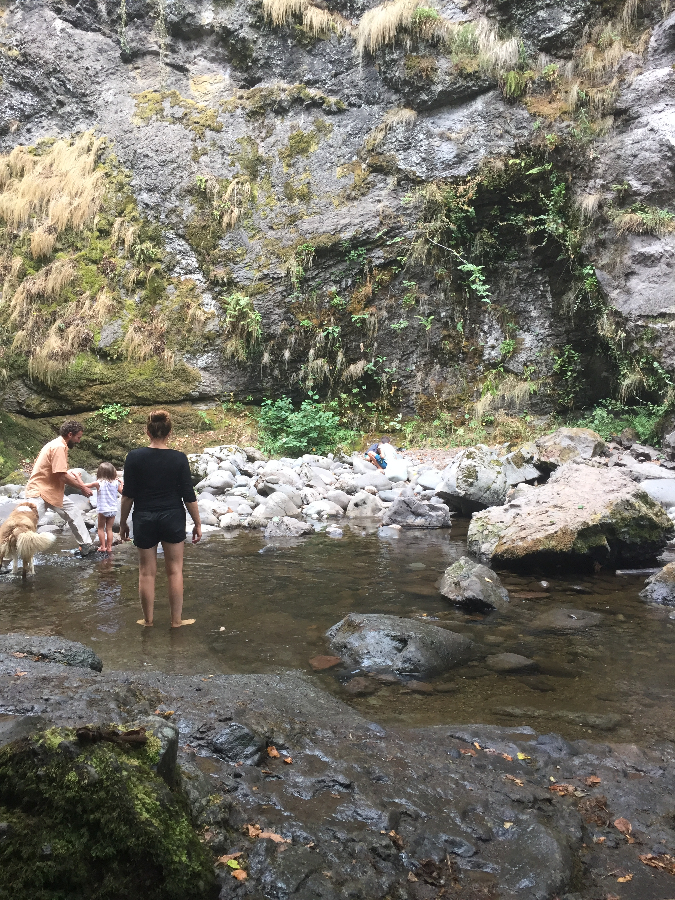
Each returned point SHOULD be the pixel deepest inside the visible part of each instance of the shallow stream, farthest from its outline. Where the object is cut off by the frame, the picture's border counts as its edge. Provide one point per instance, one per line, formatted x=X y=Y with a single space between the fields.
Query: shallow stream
x=268 y=611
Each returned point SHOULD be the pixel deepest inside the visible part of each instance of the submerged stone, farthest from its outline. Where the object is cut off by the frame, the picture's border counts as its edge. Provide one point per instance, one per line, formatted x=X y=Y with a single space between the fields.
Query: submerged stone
x=660 y=588
x=404 y=646
x=473 y=585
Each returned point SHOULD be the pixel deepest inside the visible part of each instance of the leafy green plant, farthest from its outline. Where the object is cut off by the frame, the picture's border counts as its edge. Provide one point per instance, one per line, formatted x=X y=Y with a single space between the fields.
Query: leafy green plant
x=314 y=427
x=610 y=417
x=243 y=325
x=425 y=322
x=400 y=325
x=567 y=367
x=359 y=318
x=113 y=412
x=507 y=348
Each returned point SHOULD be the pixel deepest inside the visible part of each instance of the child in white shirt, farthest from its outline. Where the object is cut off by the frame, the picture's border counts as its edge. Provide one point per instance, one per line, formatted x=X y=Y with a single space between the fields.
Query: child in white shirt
x=108 y=486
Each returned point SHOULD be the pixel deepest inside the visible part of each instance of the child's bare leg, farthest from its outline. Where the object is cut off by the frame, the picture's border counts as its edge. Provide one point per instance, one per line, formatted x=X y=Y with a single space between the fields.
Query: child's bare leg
x=108 y=527
x=147 y=572
x=101 y=533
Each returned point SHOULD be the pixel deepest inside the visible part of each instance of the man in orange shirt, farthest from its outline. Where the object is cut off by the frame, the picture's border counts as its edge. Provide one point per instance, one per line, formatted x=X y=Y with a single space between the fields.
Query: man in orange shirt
x=50 y=475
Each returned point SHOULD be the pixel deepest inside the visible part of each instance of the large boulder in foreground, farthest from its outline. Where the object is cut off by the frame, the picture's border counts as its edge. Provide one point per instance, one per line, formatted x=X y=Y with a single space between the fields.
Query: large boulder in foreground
x=584 y=514
x=474 y=480
x=566 y=444
x=88 y=815
x=660 y=587
x=404 y=646
x=50 y=649
x=473 y=586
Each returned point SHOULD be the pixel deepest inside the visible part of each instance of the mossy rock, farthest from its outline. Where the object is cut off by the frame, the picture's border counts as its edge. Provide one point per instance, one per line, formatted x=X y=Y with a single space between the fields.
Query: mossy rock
x=91 y=383
x=94 y=822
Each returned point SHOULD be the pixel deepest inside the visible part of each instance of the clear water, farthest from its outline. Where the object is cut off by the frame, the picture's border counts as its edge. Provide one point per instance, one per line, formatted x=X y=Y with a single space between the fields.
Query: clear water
x=262 y=612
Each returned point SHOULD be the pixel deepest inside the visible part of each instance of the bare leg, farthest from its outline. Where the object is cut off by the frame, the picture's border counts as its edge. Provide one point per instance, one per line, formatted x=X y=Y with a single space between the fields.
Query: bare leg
x=101 y=533
x=371 y=458
x=109 y=532
x=147 y=571
x=173 y=562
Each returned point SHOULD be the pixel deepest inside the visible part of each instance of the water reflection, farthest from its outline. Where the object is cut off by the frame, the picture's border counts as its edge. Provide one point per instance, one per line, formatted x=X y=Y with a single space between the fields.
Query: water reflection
x=266 y=612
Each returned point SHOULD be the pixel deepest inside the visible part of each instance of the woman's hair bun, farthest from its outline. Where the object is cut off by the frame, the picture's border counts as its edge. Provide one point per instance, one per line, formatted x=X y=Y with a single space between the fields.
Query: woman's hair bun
x=159 y=423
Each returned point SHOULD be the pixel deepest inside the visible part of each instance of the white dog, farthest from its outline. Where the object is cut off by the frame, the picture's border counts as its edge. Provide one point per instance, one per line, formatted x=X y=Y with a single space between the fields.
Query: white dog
x=19 y=538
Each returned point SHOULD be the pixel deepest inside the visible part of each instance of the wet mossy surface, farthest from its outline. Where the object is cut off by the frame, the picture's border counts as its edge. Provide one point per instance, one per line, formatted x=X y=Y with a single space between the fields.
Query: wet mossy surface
x=93 y=822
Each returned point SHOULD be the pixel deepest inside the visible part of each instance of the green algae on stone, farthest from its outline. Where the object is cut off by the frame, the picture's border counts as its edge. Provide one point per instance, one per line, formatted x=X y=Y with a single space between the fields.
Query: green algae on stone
x=94 y=822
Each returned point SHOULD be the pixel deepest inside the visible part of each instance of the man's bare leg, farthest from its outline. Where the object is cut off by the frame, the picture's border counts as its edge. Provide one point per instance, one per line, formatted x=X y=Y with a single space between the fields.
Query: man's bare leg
x=147 y=572
x=173 y=562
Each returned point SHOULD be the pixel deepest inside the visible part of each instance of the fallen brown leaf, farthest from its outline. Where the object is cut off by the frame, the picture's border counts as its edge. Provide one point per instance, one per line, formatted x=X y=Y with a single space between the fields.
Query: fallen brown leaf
x=272 y=836
x=507 y=757
x=515 y=780
x=592 y=780
x=624 y=826
x=468 y=752
x=562 y=790
x=624 y=879
x=19 y=674
x=19 y=655
x=599 y=840
x=288 y=760
x=273 y=752
x=239 y=874
x=396 y=840
x=318 y=663
x=252 y=830
x=224 y=860
x=663 y=862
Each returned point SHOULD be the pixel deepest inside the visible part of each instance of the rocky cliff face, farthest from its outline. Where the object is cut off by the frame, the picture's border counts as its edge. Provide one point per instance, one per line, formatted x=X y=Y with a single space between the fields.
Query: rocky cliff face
x=410 y=202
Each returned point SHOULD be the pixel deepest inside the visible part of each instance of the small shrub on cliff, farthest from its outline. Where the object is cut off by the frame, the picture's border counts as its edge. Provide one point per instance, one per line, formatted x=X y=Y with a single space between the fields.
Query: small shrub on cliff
x=314 y=428
x=610 y=418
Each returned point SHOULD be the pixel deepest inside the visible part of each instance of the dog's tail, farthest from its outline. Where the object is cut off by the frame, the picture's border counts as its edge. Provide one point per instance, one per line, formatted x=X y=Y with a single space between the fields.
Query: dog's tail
x=29 y=543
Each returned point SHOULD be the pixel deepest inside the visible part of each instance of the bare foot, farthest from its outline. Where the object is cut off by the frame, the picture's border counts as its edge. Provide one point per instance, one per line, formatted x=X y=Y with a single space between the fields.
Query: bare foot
x=101 y=550
x=184 y=622
x=143 y=622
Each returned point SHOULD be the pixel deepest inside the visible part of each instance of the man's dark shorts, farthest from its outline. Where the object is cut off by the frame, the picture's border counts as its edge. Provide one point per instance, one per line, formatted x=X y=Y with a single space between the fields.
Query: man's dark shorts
x=151 y=527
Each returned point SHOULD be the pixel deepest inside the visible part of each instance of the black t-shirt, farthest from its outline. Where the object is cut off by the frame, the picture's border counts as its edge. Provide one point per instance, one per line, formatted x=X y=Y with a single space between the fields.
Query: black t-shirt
x=157 y=479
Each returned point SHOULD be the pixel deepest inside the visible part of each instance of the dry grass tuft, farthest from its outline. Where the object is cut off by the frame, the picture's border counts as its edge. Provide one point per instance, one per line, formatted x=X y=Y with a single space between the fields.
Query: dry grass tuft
x=147 y=340
x=42 y=241
x=380 y=25
x=588 y=206
x=46 y=284
x=59 y=189
x=510 y=393
x=352 y=373
x=398 y=116
x=316 y=20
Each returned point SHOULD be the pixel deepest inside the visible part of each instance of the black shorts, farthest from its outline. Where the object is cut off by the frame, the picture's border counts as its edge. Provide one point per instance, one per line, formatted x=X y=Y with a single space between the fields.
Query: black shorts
x=153 y=526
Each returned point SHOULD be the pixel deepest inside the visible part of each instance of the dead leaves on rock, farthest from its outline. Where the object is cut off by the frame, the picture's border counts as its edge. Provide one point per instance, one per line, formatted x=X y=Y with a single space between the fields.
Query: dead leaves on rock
x=563 y=790
x=624 y=826
x=663 y=862
x=594 y=810
x=230 y=860
x=255 y=831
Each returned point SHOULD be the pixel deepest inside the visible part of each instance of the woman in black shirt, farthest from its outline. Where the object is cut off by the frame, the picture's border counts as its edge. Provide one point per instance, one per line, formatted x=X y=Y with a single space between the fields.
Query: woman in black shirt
x=157 y=481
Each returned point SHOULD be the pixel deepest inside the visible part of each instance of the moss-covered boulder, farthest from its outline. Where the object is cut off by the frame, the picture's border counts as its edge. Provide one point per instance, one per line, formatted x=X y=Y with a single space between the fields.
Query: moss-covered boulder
x=86 y=818
x=585 y=514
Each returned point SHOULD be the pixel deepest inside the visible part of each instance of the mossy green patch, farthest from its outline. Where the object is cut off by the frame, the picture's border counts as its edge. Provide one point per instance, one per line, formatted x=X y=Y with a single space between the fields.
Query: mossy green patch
x=302 y=143
x=94 y=822
x=193 y=116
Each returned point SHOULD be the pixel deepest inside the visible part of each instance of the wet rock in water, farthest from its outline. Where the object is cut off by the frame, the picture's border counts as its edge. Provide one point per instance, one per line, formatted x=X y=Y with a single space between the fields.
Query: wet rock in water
x=404 y=646
x=334 y=532
x=566 y=444
x=660 y=587
x=361 y=687
x=509 y=662
x=324 y=509
x=235 y=743
x=286 y=527
x=474 y=480
x=229 y=520
x=409 y=512
x=77 y=822
x=419 y=687
x=51 y=649
x=567 y=619
x=364 y=506
x=473 y=586
x=584 y=514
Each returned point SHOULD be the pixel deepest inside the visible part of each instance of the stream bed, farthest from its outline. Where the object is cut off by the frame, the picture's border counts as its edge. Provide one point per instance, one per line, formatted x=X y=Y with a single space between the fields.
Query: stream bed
x=267 y=611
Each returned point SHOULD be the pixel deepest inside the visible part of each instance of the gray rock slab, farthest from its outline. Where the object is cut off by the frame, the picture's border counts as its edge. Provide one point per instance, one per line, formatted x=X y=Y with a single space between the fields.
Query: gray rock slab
x=412 y=513
x=237 y=743
x=566 y=619
x=404 y=646
x=286 y=527
x=340 y=497
x=660 y=489
x=473 y=585
x=364 y=506
x=53 y=649
x=660 y=587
